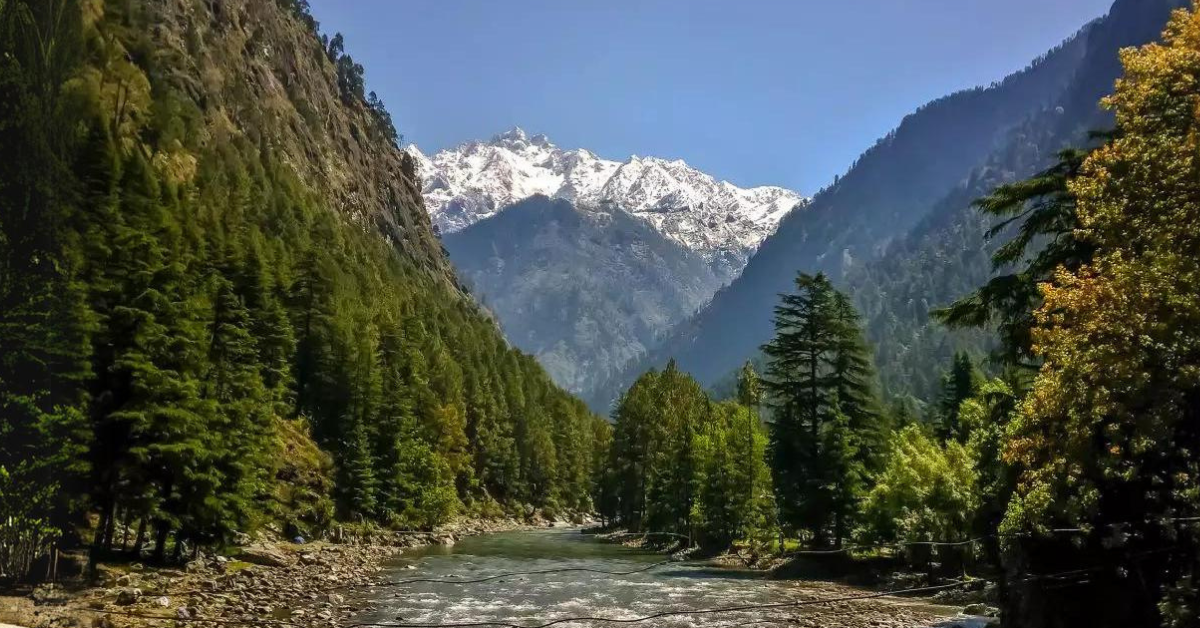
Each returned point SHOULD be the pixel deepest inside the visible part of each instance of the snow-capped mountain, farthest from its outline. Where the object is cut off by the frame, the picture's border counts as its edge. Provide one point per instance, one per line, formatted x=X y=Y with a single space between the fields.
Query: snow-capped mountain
x=718 y=220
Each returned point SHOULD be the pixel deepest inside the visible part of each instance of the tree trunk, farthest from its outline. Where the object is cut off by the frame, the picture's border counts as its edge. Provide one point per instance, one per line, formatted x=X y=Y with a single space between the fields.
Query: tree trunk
x=162 y=529
x=128 y=519
x=141 y=538
x=839 y=531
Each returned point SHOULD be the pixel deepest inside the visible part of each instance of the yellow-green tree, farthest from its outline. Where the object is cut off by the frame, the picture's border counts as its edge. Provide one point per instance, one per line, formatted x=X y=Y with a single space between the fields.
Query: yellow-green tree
x=1109 y=438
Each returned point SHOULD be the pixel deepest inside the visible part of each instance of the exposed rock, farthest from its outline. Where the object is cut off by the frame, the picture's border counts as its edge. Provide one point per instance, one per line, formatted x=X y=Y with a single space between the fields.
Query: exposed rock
x=981 y=610
x=263 y=555
x=128 y=595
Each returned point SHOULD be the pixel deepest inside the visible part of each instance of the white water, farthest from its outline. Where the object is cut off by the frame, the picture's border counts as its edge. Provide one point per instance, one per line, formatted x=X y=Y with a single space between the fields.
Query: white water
x=533 y=599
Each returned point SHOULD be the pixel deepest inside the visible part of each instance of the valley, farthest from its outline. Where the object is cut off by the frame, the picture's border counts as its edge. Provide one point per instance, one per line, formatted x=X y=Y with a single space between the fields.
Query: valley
x=265 y=362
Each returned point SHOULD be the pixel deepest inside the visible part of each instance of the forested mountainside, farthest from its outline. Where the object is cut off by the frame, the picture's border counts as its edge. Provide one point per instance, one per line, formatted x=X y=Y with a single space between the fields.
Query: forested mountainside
x=946 y=255
x=222 y=305
x=888 y=193
x=584 y=290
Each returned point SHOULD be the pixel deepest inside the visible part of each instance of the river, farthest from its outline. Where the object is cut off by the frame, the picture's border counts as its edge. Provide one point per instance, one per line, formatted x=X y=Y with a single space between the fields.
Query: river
x=529 y=600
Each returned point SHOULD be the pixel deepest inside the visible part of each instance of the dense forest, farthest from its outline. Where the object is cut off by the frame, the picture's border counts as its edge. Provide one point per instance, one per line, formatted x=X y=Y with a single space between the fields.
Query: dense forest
x=207 y=327
x=1070 y=478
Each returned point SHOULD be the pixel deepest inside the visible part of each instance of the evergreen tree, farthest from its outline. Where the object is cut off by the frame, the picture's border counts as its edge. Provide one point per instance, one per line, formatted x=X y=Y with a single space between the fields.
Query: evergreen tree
x=803 y=338
x=852 y=379
x=245 y=424
x=826 y=428
x=960 y=384
x=1042 y=212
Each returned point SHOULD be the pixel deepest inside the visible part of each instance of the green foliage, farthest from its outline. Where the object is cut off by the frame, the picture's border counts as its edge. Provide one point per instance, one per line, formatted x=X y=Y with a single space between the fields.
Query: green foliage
x=181 y=312
x=1040 y=213
x=1107 y=438
x=826 y=430
x=927 y=491
x=735 y=498
x=682 y=463
x=960 y=384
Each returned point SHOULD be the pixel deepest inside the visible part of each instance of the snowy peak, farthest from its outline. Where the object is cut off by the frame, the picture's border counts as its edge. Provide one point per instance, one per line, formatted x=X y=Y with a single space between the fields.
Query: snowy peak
x=719 y=220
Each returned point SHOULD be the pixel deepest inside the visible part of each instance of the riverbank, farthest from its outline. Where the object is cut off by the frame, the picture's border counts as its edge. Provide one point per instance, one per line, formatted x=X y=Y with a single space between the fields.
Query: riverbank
x=970 y=605
x=266 y=583
x=325 y=584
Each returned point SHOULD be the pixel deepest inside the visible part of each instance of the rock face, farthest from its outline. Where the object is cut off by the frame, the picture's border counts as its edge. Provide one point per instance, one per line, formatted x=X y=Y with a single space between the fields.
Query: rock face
x=716 y=219
x=266 y=73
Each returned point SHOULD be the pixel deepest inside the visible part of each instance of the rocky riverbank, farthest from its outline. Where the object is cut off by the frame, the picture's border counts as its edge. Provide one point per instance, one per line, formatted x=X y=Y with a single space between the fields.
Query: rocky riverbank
x=965 y=607
x=266 y=583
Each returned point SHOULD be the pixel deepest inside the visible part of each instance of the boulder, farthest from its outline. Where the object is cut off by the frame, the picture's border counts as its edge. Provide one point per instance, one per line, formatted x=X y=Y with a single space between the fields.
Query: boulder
x=266 y=556
x=981 y=610
x=128 y=596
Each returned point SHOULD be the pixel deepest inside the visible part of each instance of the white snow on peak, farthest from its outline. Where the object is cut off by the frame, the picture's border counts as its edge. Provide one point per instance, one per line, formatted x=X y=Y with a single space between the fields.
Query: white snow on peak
x=723 y=222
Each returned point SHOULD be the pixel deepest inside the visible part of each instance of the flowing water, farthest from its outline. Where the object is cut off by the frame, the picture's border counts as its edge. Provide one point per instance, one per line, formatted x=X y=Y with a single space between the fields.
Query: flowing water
x=532 y=599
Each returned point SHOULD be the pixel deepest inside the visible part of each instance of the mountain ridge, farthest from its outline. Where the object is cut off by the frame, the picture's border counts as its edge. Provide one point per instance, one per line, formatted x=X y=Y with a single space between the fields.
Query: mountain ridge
x=936 y=161
x=717 y=219
x=584 y=291
x=883 y=195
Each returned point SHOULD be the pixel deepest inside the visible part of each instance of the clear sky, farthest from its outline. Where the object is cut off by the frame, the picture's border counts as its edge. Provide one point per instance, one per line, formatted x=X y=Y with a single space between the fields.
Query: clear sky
x=780 y=92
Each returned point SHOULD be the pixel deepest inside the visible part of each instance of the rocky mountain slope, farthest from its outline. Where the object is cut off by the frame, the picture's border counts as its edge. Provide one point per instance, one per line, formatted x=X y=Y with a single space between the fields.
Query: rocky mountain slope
x=718 y=220
x=896 y=193
x=285 y=88
x=584 y=291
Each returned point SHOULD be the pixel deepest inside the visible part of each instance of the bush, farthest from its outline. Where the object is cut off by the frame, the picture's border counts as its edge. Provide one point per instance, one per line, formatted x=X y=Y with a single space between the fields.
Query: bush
x=926 y=491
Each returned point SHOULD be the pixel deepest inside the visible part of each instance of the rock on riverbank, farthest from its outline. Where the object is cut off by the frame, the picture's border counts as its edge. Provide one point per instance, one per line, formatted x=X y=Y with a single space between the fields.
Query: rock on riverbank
x=283 y=584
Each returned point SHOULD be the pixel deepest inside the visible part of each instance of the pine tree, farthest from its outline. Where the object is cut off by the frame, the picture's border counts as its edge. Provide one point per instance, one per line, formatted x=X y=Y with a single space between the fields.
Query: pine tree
x=633 y=419
x=961 y=383
x=804 y=334
x=827 y=431
x=852 y=379
x=1042 y=212
x=245 y=425
x=680 y=408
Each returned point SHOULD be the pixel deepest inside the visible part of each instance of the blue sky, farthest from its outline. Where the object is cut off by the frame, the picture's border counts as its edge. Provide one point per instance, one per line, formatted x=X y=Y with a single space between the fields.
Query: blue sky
x=784 y=92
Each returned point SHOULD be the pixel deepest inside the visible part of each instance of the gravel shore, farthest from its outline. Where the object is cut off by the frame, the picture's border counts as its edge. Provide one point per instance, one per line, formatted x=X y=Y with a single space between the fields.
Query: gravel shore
x=266 y=584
